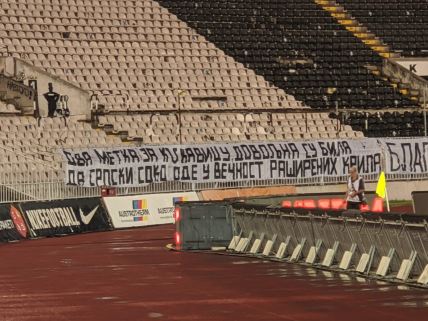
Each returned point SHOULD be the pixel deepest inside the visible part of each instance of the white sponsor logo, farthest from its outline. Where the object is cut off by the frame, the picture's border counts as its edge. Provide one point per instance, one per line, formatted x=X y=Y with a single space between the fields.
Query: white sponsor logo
x=47 y=218
x=86 y=219
x=6 y=225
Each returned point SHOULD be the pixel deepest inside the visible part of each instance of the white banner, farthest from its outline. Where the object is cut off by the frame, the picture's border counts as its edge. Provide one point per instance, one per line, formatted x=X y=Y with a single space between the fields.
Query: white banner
x=144 y=165
x=405 y=155
x=144 y=210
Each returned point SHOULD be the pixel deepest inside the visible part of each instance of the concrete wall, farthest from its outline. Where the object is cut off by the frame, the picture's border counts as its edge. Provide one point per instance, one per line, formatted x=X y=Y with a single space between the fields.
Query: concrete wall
x=79 y=99
x=219 y=195
x=419 y=66
x=399 y=190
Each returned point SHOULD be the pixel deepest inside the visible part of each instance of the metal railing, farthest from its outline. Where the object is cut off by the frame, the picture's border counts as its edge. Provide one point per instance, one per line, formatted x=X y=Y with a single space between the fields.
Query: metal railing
x=396 y=247
x=49 y=185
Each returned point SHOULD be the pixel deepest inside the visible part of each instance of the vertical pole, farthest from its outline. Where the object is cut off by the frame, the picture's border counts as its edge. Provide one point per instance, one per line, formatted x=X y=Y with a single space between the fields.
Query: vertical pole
x=383 y=169
x=33 y=83
x=306 y=119
x=387 y=199
x=337 y=113
x=179 y=118
x=425 y=111
x=366 y=121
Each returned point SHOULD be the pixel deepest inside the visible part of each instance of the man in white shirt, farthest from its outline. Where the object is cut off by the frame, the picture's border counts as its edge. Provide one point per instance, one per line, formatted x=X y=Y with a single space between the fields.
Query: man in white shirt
x=355 y=193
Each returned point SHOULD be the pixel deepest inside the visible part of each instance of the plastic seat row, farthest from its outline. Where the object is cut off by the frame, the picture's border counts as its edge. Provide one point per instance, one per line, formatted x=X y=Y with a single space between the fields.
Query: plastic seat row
x=290 y=43
x=157 y=51
x=401 y=24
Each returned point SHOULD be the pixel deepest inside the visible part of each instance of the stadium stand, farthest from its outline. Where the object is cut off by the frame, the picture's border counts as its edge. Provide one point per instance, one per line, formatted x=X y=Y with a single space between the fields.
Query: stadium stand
x=388 y=124
x=102 y=45
x=233 y=127
x=378 y=28
x=219 y=71
x=401 y=24
x=29 y=145
x=148 y=72
x=297 y=46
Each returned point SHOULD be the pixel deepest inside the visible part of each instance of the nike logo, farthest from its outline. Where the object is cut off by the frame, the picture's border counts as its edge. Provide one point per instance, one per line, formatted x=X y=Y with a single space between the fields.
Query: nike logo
x=86 y=219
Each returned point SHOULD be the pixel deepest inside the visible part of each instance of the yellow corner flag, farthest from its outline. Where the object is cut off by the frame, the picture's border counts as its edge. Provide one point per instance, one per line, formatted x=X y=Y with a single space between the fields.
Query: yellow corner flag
x=381 y=186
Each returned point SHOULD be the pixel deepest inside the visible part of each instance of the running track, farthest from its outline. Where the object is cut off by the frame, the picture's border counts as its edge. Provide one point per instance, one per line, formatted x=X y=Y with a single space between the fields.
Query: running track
x=130 y=276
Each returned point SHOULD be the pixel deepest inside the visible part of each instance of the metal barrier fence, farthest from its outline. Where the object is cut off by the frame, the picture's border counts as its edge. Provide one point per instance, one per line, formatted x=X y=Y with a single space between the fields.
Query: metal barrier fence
x=385 y=246
x=48 y=184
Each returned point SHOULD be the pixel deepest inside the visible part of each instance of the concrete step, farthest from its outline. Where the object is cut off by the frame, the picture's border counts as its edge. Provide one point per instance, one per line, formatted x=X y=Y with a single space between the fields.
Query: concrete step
x=403 y=85
x=372 y=42
x=381 y=48
x=364 y=35
x=403 y=88
x=415 y=93
x=334 y=9
x=326 y=3
x=341 y=15
x=348 y=22
x=357 y=29
x=394 y=55
x=404 y=92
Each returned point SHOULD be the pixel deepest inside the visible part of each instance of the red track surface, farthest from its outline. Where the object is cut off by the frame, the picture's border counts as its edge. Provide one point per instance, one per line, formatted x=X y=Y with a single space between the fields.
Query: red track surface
x=129 y=275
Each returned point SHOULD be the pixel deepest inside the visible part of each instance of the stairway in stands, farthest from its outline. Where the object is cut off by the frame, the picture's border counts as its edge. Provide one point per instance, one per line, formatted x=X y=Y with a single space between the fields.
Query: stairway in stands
x=361 y=31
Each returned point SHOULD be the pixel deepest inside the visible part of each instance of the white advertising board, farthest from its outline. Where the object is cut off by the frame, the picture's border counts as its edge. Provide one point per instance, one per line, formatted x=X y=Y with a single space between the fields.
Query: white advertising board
x=144 y=210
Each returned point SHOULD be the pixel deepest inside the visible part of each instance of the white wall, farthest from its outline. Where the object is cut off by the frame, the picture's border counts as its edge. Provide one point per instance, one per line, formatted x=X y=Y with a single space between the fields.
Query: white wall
x=420 y=65
x=79 y=99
